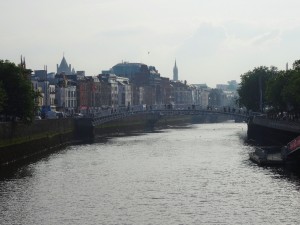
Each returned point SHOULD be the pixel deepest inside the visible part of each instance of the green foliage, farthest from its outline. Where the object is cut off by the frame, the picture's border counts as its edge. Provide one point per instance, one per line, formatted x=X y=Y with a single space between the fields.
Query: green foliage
x=283 y=90
x=291 y=91
x=280 y=89
x=296 y=65
x=2 y=96
x=253 y=85
x=19 y=95
x=274 y=91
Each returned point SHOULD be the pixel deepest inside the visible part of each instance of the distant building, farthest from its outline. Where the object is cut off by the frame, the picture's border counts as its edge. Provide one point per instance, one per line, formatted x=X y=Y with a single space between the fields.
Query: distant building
x=47 y=92
x=181 y=93
x=63 y=67
x=138 y=73
x=200 y=94
x=223 y=87
x=175 y=72
x=166 y=97
x=66 y=98
x=145 y=81
x=230 y=86
x=120 y=88
x=230 y=92
x=39 y=101
x=87 y=95
x=124 y=92
x=40 y=74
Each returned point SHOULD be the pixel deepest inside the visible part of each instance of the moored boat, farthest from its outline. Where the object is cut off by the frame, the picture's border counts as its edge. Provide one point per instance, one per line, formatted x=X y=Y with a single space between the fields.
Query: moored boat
x=267 y=156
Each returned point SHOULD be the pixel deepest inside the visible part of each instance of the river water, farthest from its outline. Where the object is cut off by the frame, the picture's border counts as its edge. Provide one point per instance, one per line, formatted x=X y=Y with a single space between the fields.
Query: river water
x=198 y=174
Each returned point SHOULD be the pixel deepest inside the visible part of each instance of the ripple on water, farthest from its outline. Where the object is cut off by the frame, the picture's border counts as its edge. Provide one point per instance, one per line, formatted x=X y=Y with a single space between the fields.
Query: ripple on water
x=197 y=175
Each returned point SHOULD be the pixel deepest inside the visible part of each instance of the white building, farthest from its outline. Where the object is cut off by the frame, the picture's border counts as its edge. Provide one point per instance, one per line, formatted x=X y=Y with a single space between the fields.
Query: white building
x=47 y=91
x=124 y=92
x=121 y=91
x=66 y=99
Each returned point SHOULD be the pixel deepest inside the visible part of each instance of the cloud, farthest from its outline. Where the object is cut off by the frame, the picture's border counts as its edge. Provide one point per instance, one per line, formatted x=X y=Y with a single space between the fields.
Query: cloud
x=204 y=42
x=242 y=30
x=266 y=37
x=247 y=34
x=121 y=32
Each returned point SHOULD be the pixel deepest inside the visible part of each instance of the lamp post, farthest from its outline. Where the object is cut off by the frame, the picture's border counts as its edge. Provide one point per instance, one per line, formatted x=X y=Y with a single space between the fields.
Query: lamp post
x=260 y=95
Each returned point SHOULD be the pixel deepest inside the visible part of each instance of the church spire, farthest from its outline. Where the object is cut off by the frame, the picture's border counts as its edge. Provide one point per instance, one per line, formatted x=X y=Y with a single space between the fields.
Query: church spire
x=63 y=67
x=23 y=63
x=175 y=72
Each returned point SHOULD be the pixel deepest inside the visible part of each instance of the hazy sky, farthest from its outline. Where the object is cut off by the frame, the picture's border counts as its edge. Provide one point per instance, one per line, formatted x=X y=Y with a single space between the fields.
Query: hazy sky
x=213 y=41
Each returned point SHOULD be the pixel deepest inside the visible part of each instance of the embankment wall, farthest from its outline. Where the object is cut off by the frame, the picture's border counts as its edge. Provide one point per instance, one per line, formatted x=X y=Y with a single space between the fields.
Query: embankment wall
x=19 y=141
x=268 y=132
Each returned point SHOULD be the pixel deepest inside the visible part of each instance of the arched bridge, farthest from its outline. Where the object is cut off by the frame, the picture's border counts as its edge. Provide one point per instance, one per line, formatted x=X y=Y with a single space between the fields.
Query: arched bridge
x=100 y=118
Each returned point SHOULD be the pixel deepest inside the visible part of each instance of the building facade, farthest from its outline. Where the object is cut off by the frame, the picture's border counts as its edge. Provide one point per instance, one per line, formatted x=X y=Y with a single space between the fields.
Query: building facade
x=66 y=99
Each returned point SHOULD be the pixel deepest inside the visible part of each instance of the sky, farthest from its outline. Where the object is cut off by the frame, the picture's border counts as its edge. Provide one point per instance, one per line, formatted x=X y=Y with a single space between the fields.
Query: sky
x=212 y=41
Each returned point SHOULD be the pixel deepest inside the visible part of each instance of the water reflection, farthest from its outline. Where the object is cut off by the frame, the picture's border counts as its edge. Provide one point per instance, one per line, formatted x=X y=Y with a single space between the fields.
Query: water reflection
x=200 y=174
x=16 y=173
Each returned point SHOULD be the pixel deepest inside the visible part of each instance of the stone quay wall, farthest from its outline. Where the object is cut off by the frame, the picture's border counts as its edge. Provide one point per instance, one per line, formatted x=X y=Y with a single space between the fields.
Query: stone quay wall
x=272 y=132
x=19 y=141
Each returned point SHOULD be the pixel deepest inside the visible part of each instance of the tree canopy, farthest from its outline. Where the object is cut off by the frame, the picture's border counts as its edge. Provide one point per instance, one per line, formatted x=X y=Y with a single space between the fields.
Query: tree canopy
x=2 y=96
x=16 y=93
x=267 y=87
x=291 y=91
x=274 y=91
x=253 y=86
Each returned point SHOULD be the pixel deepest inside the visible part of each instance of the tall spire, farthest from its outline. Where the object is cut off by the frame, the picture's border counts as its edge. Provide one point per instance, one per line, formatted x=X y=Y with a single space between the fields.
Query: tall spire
x=175 y=72
x=23 y=63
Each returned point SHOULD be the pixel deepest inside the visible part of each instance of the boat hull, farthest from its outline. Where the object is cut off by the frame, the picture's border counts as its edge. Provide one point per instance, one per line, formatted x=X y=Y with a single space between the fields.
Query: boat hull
x=267 y=156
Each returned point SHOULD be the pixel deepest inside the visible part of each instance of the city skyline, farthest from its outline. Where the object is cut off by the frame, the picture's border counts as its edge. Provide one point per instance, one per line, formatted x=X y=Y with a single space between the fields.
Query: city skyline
x=212 y=41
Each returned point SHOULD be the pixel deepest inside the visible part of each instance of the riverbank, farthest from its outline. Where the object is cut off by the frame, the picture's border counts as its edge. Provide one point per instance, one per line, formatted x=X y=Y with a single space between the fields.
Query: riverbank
x=21 y=142
x=272 y=132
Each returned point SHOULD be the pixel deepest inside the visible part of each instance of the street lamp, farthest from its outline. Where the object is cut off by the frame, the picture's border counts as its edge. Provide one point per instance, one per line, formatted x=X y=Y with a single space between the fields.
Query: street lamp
x=260 y=95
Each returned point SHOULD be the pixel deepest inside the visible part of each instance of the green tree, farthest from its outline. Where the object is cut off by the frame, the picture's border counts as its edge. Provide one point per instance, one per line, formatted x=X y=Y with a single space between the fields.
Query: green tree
x=2 y=97
x=19 y=100
x=252 y=87
x=296 y=65
x=274 y=90
x=291 y=91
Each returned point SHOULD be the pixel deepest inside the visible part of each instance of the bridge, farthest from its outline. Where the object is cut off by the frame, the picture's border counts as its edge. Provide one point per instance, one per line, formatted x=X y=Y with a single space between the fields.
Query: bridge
x=101 y=118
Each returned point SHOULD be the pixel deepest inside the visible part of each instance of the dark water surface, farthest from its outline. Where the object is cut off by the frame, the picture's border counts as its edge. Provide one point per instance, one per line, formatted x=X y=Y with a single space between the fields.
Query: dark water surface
x=199 y=174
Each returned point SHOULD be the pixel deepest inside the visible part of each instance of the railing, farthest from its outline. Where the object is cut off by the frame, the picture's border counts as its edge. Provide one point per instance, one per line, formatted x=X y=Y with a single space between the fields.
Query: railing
x=103 y=117
x=277 y=124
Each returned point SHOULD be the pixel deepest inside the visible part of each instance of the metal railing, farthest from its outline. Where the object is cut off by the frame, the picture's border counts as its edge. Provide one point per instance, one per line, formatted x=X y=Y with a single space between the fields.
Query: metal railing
x=103 y=117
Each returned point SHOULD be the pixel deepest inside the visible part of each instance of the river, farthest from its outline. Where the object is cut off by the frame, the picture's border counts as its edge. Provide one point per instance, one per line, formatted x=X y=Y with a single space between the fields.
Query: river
x=197 y=174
